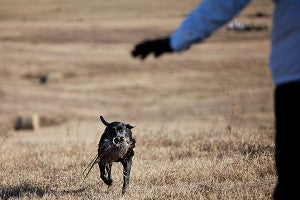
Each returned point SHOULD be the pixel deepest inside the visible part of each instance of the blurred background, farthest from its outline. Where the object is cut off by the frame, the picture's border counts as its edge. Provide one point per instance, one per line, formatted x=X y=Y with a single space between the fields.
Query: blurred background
x=70 y=60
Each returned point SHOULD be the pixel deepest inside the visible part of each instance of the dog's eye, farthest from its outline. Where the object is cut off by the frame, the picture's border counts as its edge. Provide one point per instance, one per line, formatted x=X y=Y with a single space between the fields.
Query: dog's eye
x=117 y=128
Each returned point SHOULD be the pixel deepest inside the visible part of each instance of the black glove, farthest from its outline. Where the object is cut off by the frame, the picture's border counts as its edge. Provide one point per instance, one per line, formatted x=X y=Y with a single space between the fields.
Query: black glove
x=156 y=46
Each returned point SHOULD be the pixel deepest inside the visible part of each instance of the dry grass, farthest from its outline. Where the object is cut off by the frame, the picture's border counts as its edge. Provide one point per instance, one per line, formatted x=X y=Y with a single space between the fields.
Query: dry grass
x=169 y=164
x=204 y=118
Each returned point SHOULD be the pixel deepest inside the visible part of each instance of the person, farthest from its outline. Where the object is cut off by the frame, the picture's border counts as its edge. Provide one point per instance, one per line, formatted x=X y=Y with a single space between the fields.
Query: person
x=284 y=62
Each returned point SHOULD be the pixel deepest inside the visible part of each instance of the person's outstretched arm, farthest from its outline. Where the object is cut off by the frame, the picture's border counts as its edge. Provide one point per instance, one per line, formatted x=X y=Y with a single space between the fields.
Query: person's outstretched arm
x=199 y=24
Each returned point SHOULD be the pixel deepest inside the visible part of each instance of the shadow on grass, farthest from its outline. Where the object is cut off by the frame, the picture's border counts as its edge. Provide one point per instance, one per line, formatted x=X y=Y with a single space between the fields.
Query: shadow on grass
x=33 y=190
x=25 y=188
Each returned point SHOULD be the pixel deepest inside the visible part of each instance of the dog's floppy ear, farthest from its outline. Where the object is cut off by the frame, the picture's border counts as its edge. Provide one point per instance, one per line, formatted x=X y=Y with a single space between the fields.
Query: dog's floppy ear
x=103 y=121
x=129 y=126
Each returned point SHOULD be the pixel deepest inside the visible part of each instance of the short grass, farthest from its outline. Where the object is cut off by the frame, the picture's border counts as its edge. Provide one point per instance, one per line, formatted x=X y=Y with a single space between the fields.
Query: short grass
x=169 y=164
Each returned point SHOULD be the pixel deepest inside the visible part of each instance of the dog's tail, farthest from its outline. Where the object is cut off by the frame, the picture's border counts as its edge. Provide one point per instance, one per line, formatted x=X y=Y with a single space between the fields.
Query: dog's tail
x=90 y=166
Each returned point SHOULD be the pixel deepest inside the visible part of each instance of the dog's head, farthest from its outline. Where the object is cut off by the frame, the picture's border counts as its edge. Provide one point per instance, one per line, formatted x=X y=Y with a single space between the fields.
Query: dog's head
x=118 y=132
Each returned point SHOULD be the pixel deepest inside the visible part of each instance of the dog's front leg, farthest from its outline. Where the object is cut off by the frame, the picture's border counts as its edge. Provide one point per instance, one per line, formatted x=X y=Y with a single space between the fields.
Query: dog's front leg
x=108 y=169
x=126 y=173
x=103 y=174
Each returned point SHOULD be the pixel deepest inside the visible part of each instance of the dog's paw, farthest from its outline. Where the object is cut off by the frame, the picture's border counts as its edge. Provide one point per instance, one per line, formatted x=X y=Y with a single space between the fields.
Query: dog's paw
x=108 y=182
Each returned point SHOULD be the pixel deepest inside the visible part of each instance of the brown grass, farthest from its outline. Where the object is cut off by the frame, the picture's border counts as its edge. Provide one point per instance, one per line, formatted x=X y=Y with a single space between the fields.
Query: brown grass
x=204 y=118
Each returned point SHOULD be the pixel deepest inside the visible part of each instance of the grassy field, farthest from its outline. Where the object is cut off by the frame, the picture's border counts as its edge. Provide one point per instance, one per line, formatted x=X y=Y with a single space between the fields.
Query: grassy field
x=204 y=117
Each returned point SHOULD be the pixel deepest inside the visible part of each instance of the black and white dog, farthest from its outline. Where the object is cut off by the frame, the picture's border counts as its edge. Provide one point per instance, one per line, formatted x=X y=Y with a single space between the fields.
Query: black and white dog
x=116 y=145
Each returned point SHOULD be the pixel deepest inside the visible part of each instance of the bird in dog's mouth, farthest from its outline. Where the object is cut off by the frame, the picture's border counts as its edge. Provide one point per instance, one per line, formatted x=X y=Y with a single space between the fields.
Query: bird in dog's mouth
x=121 y=141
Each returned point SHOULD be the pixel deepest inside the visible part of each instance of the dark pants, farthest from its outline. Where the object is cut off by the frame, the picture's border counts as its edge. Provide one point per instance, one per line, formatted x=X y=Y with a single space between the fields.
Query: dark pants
x=287 y=124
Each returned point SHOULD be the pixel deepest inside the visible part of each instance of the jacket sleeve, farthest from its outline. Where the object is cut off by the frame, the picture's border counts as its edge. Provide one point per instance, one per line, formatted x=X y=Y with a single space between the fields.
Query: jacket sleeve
x=202 y=21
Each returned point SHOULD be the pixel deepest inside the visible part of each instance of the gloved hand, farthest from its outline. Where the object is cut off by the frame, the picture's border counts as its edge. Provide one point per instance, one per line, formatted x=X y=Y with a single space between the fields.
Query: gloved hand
x=156 y=46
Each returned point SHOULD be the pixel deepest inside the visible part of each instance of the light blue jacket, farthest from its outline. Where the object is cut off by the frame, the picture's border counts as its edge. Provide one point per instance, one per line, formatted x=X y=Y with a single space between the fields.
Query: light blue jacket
x=210 y=15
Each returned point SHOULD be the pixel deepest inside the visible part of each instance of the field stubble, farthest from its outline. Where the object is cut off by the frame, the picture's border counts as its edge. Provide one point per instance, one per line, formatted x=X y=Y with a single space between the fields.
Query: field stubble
x=204 y=121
